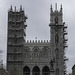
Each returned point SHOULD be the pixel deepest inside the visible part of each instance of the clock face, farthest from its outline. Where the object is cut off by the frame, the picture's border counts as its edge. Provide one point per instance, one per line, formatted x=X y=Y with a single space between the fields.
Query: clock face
x=56 y=19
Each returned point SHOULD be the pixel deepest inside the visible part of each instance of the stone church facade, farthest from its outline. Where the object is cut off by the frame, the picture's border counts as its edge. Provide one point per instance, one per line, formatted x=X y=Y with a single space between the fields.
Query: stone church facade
x=36 y=57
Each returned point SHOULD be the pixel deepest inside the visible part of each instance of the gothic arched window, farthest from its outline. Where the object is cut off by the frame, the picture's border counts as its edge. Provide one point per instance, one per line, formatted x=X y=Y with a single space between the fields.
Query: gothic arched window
x=35 y=51
x=46 y=51
x=57 y=53
x=36 y=70
x=26 y=70
x=27 y=52
x=56 y=38
x=45 y=70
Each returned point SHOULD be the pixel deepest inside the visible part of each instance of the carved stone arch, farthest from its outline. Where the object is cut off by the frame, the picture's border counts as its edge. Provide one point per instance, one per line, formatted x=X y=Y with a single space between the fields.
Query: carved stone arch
x=45 y=70
x=46 y=51
x=27 y=51
x=46 y=48
x=36 y=47
x=57 y=53
x=36 y=70
x=26 y=47
x=36 y=51
x=26 y=70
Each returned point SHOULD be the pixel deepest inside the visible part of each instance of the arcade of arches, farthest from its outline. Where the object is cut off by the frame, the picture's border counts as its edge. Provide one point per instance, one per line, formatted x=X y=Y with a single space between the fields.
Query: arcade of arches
x=36 y=70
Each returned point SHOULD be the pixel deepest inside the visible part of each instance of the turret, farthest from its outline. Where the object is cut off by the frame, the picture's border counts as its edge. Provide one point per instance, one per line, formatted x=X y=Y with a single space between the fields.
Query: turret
x=58 y=40
x=16 y=33
x=56 y=16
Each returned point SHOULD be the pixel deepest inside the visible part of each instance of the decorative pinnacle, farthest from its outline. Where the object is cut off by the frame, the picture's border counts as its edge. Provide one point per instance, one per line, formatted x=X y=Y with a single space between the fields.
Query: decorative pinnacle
x=61 y=8
x=20 y=7
x=15 y=8
x=35 y=38
x=51 y=8
x=56 y=6
x=11 y=8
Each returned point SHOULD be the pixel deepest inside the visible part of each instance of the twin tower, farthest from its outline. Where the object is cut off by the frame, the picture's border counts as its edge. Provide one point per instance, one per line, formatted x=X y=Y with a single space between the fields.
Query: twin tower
x=36 y=58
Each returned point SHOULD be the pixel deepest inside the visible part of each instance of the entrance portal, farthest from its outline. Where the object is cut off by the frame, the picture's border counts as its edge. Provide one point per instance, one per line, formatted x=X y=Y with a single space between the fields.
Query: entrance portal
x=26 y=70
x=45 y=71
x=36 y=70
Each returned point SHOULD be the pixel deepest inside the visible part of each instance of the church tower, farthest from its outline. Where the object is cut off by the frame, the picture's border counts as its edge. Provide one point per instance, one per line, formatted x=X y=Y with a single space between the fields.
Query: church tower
x=15 y=41
x=58 y=40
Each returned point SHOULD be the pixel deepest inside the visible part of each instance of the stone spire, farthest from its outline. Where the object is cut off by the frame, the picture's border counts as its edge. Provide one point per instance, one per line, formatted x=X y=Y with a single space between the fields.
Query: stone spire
x=11 y=8
x=15 y=8
x=61 y=8
x=51 y=8
x=20 y=7
x=56 y=7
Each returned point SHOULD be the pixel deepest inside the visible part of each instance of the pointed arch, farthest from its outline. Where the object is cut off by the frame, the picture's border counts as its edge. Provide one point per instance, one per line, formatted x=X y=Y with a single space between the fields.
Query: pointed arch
x=26 y=51
x=36 y=70
x=46 y=50
x=45 y=70
x=36 y=48
x=36 y=51
x=26 y=70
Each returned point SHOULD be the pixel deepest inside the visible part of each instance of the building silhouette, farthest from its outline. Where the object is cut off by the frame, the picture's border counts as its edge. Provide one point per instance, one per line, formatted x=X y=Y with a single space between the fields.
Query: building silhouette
x=36 y=57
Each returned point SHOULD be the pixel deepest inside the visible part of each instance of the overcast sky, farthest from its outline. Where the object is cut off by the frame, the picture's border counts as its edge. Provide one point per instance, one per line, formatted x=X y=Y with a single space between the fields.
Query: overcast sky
x=38 y=12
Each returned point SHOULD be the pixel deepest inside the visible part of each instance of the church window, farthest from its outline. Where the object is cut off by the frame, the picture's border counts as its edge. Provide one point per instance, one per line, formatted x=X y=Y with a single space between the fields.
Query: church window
x=35 y=53
x=56 y=38
x=45 y=53
x=27 y=52
x=36 y=70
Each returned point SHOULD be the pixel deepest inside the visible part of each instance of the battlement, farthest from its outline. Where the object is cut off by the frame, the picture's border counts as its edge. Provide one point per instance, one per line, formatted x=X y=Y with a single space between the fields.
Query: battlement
x=37 y=41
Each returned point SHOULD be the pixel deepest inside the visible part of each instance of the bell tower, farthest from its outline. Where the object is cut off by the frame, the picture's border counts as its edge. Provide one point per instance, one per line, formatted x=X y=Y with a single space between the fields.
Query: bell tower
x=15 y=41
x=58 y=40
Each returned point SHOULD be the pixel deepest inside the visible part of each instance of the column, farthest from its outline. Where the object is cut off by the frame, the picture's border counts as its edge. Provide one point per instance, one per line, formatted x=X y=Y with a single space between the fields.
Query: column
x=30 y=71
x=40 y=71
